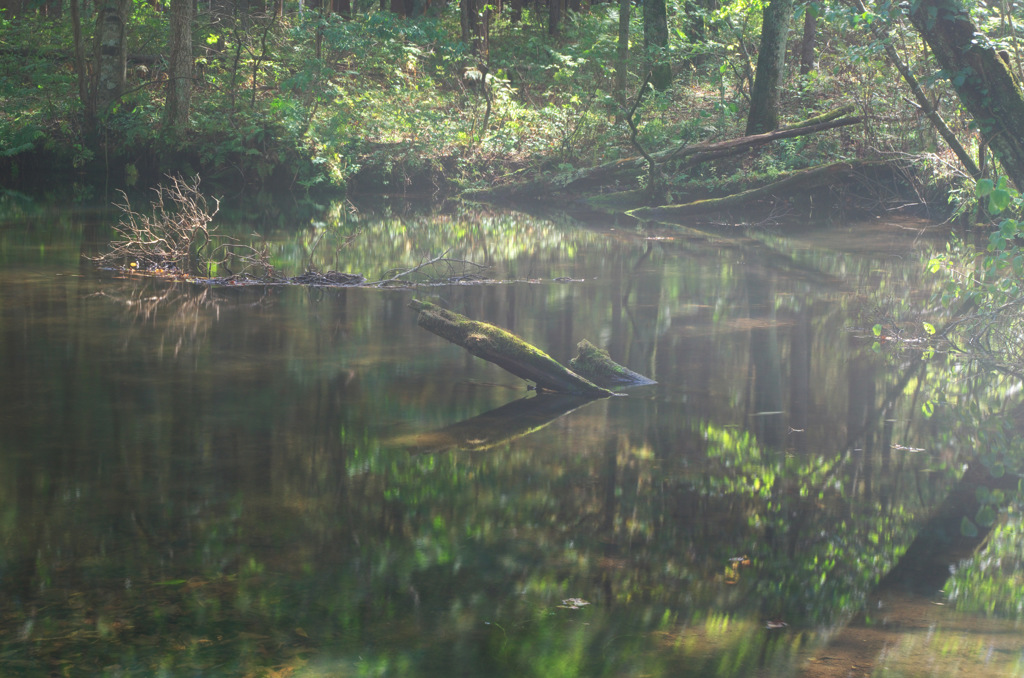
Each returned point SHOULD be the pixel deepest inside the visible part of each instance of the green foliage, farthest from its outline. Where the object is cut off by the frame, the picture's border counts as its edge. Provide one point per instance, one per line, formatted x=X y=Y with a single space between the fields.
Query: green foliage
x=313 y=99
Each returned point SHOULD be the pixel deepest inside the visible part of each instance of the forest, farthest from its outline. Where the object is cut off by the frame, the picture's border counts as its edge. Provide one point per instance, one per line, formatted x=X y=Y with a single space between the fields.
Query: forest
x=613 y=103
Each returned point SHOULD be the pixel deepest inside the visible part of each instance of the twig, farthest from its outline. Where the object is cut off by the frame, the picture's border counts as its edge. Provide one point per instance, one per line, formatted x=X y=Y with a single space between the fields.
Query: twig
x=442 y=258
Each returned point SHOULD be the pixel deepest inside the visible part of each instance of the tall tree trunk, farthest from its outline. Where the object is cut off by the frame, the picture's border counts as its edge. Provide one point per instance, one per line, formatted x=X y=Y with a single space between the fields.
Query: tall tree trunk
x=807 y=44
x=771 y=60
x=982 y=79
x=84 y=94
x=655 y=41
x=179 y=83
x=110 y=56
x=555 y=17
x=622 y=55
x=475 y=28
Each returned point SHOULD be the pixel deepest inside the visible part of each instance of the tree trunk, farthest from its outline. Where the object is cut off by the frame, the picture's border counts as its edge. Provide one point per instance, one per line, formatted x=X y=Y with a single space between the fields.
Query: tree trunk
x=475 y=27
x=179 y=82
x=922 y=99
x=807 y=44
x=110 y=56
x=555 y=17
x=655 y=42
x=982 y=79
x=771 y=61
x=80 y=66
x=622 y=54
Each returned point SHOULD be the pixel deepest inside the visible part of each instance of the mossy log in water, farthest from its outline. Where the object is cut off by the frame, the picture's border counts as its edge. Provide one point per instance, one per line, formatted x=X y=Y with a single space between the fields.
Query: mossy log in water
x=524 y=360
x=597 y=366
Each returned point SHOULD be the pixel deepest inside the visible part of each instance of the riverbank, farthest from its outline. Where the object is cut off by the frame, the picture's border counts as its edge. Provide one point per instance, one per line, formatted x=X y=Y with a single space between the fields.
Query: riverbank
x=375 y=103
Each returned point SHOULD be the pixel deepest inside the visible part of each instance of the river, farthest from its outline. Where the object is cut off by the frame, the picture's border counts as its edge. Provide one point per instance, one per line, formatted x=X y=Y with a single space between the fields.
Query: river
x=251 y=480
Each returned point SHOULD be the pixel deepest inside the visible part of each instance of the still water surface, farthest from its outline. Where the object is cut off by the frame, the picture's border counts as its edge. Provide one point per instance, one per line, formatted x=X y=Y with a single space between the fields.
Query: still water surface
x=290 y=481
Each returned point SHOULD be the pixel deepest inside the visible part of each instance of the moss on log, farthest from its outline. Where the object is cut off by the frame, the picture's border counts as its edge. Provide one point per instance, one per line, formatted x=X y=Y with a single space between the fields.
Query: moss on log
x=597 y=366
x=505 y=350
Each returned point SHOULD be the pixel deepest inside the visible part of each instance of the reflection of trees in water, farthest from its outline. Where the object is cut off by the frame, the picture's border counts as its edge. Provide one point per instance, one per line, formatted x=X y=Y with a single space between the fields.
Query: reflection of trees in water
x=257 y=472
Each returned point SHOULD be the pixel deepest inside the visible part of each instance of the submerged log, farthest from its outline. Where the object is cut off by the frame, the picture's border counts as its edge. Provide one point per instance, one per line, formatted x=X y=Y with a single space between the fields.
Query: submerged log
x=598 y=367
x=505 y=350
x=593 y=371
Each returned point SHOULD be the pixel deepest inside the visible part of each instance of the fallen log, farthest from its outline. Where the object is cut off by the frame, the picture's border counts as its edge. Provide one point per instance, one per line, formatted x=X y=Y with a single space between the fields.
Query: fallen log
x=599 y=368
x=505 y=350
x=684 y=157
x=806 y=179
x=681 y=157
x=524 y=360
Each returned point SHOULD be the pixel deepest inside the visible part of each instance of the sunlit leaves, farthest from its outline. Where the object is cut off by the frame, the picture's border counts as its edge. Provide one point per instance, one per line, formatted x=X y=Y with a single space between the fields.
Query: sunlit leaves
x=1000 y=194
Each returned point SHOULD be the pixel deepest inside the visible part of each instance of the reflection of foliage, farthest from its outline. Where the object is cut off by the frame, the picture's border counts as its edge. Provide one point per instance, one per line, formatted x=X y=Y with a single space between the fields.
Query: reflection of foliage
x=984 y=291
x=239 y=506
x=992 y=582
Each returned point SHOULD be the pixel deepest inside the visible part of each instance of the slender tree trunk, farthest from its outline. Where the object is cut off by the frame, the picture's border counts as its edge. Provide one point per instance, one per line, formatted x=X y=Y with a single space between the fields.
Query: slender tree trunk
x=475 y=28
x=179 y=82
x=922 y=99
x=807 y=44
x=656 y=40
x=555 y=17
x=83 y=83
x=110 y=56
x=771 y=61
x=622 y=54
x=982 y=79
